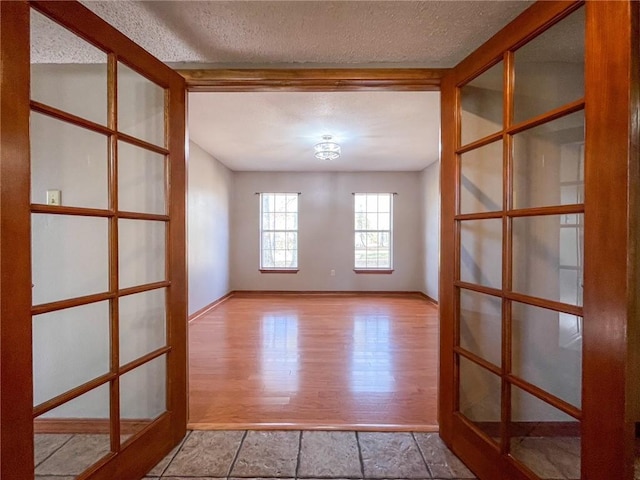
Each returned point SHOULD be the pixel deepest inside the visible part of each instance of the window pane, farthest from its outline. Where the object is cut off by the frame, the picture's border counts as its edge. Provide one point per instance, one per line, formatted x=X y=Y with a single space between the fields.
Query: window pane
x=70 y=256
x=141 y=180
x=141 y=106
x=481 y=252
x=482 y=105
x=543 y=438
x=481 y=179
x=547 y=350
x=480 y=395
x=77 y=449
x=481 y=325
x=78 y=87
x=548 y=163
x=142 y=324
x=549 y=70
x=57 y=370
x=373 y=223
x=279 y=247
x=70 y=159
x=142 y=396
x=141 y=252
x=548 y=257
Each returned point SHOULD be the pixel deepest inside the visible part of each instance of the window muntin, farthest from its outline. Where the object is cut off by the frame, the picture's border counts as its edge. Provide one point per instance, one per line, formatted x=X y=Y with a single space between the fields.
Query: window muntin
x=373 y=231
x=279 y=231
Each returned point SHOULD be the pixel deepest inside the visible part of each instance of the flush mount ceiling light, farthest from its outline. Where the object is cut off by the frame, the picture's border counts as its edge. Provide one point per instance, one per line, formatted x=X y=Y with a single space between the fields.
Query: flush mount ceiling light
x=327 y=150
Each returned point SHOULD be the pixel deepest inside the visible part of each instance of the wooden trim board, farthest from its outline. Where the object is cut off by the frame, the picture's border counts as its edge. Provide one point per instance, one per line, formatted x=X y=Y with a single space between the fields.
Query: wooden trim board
x=211 y=306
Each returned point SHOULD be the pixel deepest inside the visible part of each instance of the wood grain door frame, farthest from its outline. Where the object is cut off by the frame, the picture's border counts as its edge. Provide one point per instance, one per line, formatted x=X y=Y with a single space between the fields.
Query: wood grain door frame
x=314 y=79
x=16 y=370
x=611 y=329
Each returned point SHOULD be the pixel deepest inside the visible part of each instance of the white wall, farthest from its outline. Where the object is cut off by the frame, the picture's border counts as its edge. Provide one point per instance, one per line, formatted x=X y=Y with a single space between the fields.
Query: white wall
x=430 y=201
x=209 y=199
x=326 y=231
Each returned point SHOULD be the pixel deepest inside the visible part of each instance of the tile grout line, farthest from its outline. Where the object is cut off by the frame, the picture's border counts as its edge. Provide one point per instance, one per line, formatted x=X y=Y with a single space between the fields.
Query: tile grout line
x=55 y=451
x=295 y=474
x=360 y=454
x=189 y=432
x=235 y=457
x=426 y=464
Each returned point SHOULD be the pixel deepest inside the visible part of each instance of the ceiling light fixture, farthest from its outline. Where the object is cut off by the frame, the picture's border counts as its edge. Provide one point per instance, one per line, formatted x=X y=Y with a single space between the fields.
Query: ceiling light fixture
x=327 y=150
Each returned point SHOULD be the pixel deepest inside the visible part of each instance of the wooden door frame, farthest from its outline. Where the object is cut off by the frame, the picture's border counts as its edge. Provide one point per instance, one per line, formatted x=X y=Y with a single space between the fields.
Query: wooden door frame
x=610 y=400
x=16 y=375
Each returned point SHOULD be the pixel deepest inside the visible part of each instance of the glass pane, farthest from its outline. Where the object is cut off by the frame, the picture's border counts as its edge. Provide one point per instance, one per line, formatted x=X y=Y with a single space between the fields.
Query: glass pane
x=480 y=397
x=481 y=100
x=543 y=438
x=140 y=106
x=141 y=255
x=74 y=436
x=481 y=252
x=549 y=70
x=66 y=72
x=143 y=396
x=547 y=350
x=547 y=257
x=70 y=159
x=84 y=334
x=142 y=324
x=481 y=325
x=481 y=179
x=548 y=163
x=70 y=256
x=141 y=180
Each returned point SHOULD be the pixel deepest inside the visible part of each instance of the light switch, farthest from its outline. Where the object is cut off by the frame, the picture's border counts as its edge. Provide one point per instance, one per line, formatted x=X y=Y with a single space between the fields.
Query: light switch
x=53 y=197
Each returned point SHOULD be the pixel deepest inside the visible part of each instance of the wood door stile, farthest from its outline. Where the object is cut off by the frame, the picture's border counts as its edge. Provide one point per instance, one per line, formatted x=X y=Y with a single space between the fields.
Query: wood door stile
x=16 y=391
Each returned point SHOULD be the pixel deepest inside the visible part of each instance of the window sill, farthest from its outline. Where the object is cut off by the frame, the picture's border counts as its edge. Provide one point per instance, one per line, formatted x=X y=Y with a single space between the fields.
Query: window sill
x=281 y=270
x=385 y=271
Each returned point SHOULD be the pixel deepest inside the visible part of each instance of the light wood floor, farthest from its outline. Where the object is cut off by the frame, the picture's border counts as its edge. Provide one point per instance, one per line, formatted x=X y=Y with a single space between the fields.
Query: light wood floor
x=315 y=361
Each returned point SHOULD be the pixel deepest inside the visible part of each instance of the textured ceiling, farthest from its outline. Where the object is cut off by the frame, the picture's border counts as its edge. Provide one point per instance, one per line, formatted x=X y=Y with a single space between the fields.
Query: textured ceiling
x=276 y=131
x=235 y=33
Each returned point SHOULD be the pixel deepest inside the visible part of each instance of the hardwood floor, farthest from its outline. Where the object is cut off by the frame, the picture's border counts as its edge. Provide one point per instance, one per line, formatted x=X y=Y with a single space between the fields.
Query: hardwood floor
x=315 y=361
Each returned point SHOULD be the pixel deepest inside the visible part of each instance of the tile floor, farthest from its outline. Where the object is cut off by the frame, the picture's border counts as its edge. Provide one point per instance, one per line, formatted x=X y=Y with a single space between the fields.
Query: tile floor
x=310 y=454
x=234 y=455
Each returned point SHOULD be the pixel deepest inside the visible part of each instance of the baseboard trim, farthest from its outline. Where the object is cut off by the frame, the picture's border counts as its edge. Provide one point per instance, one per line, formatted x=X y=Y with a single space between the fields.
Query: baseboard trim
x=209 y=307
x=361 y=427
x=333 y=293
x=87 y=425
x=428 y=298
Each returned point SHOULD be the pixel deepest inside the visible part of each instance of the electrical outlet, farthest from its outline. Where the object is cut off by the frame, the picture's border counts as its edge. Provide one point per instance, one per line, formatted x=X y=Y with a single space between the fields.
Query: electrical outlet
x=53 y=197
x=333 y=272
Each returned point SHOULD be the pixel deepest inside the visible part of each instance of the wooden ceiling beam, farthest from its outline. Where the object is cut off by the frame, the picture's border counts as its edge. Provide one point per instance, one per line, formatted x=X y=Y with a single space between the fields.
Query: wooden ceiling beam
x=314 y=80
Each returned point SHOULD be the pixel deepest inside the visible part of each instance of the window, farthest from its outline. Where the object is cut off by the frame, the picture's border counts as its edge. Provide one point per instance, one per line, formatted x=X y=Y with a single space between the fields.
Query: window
x=373 y=225
x=279 y=231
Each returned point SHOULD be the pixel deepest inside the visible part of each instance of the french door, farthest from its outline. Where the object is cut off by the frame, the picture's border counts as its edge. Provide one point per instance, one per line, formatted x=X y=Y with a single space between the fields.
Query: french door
x=539 y=182
x=93 y=325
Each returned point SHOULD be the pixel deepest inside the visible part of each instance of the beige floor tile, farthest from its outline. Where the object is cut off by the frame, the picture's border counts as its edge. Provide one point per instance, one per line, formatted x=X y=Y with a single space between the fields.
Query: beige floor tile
x=206 y=453
x=391 y=455
x=162 y=464
x=329 y=454
x=268 y=454
x=47 y=443
x=442 y=462
x=550 y=457
x=75 y=456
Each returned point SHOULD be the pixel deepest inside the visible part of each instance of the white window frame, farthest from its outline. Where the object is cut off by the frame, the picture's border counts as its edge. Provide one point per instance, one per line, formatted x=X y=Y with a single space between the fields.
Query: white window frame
x=357 y=247
x=282 y=229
